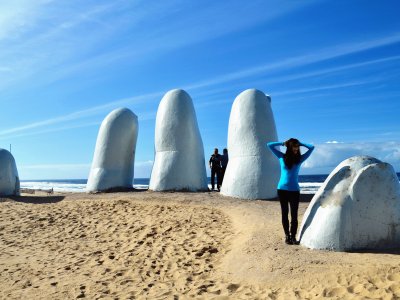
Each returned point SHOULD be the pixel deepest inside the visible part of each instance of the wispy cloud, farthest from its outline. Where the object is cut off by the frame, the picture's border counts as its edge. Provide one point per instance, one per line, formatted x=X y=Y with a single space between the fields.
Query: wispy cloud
x=184 y=23
x=56 y=171
x=325 y=71
x=54 y=166
x=17 y=17
x=324 y=87
x=59 y=42
x=51 y=129
x=92 y=22
x=56 y=44
x=46 y=42
x=156 y=96
x=50 y=36
x=79 y=115
x=269 y=81
x=324 y=159
x=73 y=170
x=328 y=155
x=333 y=142
x=302 y=60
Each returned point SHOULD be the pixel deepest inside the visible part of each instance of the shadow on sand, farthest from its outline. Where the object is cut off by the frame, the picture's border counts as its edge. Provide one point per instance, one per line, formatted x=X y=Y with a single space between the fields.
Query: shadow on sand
x=37 y=199
x=118 y=190
x=394 y=251
x=303 y=198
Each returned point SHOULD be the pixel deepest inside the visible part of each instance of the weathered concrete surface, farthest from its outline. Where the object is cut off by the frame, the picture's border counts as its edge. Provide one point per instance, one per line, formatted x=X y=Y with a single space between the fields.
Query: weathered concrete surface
x=114 y=155
x=357 y=207
x=179 y=154
x=9 y=179
x=253 y=171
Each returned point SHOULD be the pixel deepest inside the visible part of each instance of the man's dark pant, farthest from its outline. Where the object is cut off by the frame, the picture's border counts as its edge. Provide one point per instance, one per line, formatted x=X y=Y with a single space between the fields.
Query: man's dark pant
x=215 y=172
x=291 y=198
x=223 y=169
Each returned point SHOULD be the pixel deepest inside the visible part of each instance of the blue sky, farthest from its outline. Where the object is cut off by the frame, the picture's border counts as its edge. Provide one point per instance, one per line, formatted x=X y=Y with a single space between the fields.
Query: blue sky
x=332 y=69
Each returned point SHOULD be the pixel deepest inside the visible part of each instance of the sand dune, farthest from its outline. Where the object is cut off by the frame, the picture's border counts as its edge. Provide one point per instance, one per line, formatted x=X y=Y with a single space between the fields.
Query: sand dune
x=172 y=246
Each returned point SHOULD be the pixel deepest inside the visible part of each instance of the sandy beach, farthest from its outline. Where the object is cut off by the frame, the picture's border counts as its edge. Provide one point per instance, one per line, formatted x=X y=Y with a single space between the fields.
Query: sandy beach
x=147 y=245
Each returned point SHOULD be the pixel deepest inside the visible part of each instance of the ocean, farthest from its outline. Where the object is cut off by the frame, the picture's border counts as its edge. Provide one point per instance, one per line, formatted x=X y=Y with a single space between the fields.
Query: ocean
x=309 y=184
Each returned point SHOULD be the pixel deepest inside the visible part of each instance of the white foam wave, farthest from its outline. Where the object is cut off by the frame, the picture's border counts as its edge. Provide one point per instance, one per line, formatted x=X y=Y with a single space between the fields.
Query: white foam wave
x=305 y=187
x=64 y=187
x=141 y=186
x=57 y=187
x=309 y=187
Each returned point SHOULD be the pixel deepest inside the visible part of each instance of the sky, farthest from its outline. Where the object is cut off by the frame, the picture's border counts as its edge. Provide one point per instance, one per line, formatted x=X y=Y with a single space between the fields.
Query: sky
x=331 y=68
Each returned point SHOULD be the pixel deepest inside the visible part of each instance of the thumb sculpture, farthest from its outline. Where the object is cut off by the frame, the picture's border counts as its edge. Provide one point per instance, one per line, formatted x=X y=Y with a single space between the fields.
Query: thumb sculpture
x=179 y=155
x=253 y=172
x=114 y=155
x=357 y=207
x=9 y=180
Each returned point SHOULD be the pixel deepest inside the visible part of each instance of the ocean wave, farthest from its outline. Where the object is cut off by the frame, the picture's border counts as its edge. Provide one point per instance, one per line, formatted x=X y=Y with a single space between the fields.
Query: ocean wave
x=64 y=186
x=79 y=186
x=306 y=188
x=309 y=187
x=56 y=186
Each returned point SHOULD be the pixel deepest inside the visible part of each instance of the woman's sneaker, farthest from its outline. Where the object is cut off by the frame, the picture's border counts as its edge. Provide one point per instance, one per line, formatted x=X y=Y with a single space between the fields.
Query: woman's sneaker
x=294 y=241
x=288 y=240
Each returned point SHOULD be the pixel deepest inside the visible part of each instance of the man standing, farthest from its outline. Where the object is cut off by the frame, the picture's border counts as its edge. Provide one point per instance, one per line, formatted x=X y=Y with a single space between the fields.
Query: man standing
x=224 y=164
x=215 y=166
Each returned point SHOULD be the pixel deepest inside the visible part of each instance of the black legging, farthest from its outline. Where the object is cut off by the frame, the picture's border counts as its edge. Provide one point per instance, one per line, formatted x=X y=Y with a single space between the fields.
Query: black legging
x=292 y=198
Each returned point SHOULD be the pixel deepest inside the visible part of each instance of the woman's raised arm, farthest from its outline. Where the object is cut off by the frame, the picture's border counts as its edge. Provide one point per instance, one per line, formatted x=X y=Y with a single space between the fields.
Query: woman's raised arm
x=309 y=151
x=272 y=146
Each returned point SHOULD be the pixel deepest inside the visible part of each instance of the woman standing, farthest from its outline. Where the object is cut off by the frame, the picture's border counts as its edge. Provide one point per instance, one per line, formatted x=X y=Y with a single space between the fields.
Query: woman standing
x=288 y=186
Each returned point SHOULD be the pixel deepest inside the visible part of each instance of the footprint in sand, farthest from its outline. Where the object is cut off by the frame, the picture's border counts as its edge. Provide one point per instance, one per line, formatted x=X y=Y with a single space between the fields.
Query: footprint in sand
x=335 y=292
x=233 y=287
x=394 y=277
x=395 y=289
x=356 y=288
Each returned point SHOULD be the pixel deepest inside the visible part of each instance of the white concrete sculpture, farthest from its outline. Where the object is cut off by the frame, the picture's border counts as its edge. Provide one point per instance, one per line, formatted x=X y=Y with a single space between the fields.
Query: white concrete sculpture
x=114 y=155
x=357 y=207
x=9 y=180
x=179 y=154
x=253 y=171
